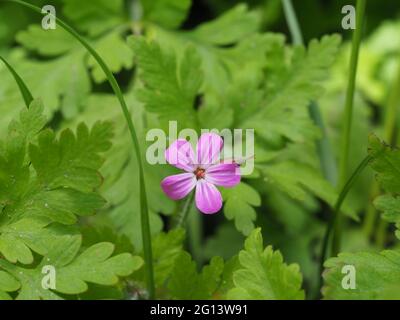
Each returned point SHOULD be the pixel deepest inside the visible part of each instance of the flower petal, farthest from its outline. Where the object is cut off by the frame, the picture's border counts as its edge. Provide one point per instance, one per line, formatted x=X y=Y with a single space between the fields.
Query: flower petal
x=223 y=174
x=208 y=148
x=180 y=154
x=208 y=197
x=179 y=185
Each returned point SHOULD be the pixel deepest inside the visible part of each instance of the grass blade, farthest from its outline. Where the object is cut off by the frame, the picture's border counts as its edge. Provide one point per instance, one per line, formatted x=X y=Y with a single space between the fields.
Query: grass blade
x=26 y=94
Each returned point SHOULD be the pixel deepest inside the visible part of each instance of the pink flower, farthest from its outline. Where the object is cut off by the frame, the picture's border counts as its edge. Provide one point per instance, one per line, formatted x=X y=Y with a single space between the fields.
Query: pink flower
x=203 y=172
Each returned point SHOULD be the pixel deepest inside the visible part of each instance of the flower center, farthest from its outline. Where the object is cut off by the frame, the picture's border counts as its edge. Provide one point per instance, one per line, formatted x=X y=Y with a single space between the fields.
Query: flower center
x=199 y=173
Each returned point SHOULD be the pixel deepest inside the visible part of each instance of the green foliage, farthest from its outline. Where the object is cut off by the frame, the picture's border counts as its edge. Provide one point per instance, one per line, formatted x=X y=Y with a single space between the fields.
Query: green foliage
x=386 y=163
x=166 y=13
x=170 y=88
x=263 y=274
x=377 y=276
x=291 y=88
x=94 y=265
x=47 y=181
x=187 y=283
x=239 y=202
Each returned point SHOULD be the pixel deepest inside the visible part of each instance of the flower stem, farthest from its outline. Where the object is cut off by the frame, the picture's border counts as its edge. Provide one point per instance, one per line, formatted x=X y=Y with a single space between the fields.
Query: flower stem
x=333 y=221
x=348 y=112
x=324 y=150
x=181 y=219
x=348 y=115
x=144 y=213
x=195 y=229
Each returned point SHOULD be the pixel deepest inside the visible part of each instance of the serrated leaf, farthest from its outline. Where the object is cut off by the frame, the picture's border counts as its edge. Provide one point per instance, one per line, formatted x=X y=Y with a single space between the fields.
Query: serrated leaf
x=386 y=163
x=239 y=202
x=376 y=274
x=87 y=15
x=166 y=13
x=170 y=87
x=187 y=283
x=263 y=274
x=290 y=89
x=230 y=27
x=59 y=185
x=72 y=271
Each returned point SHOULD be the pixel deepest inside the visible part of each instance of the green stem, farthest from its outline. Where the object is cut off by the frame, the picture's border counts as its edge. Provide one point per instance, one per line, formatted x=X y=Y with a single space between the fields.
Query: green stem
x=26 y=94
x=292 y=22
x=181 y=219
x=324 y=150
x=145 y=224
x=195 y=236
x=348 y=112
x=333 y=221
x=371 y=214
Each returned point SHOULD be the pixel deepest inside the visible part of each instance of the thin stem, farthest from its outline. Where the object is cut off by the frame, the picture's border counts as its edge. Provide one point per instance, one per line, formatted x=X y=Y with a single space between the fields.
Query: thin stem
x=331 y=225
x=292 y=22
x=26 y=94
x=195 y=228
x=371 y=214
x=185 y=210
x=348 y=112
x=145 y=224
x=324 y=150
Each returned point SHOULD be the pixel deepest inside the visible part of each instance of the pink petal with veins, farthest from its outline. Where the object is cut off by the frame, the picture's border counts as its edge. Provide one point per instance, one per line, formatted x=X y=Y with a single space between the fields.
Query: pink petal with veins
x=224 y=174
x=180 y=154
x=208 y=198
x=208 y=148
x=178 y=186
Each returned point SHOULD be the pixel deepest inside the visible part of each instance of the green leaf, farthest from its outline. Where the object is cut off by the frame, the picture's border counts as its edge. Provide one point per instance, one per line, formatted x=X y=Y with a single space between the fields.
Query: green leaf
x=72 y=271
x=8 y=283
x=87 y=15
x=59 y=184
x=386 y=163
x=390 y=206
x=121 y=186
x=116 y=54
x=166 y=249
x=187 y=283
x=46 y=42
x=263 y=274
x=290 y=88
x=170 y=88
x=230 y=27
x=376 y=276
x=296 y=179
x=239 y=202
x=166 y=13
